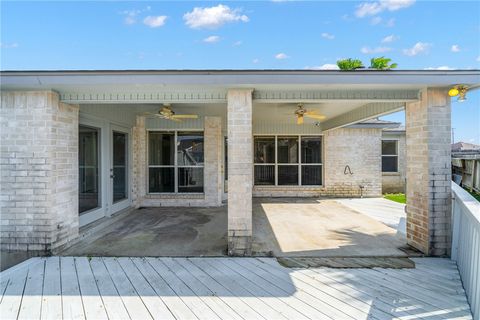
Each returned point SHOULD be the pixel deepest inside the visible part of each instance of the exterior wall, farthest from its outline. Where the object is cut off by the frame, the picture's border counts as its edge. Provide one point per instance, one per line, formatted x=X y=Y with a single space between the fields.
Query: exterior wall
x=428 y=126
x=213 y=185
x=39 y=171
x=394 y=182
x=360 y=149
x=240 y=172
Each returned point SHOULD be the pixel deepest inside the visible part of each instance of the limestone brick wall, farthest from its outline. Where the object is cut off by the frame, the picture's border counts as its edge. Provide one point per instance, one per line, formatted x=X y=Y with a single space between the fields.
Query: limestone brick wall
x=360 y=149
x=240 y=172
x=428 y=129
x=39 y=171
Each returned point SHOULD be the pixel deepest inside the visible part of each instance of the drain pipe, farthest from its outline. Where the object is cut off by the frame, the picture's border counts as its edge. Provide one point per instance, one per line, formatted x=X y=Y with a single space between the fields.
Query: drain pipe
x=361 y=190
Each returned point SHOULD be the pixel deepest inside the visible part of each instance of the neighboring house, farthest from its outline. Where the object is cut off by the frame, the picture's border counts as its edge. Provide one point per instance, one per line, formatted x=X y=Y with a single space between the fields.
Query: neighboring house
x=78 y=146
x=392 y=153
x=466 y=165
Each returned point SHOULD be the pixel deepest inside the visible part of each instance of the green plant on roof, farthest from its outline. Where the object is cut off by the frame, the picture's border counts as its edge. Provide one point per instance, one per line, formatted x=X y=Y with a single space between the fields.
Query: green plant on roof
x=349 y=64
x=382 y=63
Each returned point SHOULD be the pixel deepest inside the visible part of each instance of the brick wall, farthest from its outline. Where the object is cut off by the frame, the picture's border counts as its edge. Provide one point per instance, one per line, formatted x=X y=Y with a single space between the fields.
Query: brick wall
x=428 y=127
x=39 y=171
x=360 y=149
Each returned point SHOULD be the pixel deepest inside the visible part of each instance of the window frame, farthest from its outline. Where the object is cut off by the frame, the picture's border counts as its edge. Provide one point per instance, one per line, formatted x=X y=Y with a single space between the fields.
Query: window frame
x=175 y=165
x=390 y=155
x=299 y=164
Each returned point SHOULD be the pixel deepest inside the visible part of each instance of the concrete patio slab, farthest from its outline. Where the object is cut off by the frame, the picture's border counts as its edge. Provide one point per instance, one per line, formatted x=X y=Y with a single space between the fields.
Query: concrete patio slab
x=386 y=211
x=281 y=227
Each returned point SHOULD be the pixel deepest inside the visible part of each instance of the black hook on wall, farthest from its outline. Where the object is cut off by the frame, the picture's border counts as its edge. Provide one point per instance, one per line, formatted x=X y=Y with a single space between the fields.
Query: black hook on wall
x=347 y=170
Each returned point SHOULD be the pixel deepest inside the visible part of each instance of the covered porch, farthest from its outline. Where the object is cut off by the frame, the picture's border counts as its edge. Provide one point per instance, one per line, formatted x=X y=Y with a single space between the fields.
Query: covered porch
x=103 y=155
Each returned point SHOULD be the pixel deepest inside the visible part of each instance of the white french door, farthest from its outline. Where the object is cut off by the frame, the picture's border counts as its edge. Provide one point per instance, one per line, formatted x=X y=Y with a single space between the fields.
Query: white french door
x=119 y=182
x=103 y=162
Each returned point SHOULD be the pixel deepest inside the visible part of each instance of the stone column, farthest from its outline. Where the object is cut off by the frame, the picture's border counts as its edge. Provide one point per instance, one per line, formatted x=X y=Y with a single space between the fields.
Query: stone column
x=39 y=171
x=213 y=161
x=139 y=170
x=428 y=171
x=240 y=172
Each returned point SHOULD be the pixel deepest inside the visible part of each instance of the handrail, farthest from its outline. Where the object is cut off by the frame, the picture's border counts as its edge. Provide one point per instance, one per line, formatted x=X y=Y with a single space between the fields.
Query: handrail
x=466 y=244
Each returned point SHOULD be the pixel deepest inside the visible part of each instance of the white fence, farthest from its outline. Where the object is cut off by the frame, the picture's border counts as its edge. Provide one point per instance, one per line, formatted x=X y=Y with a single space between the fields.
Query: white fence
x=466 y=244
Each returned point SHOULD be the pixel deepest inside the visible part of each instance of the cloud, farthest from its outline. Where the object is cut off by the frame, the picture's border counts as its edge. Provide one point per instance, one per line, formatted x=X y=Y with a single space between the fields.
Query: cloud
x=155 y=21
x=211 y=39
x=372 y=8
x=455 y=48
x=256 y=60
x=368 y=50
x=375 y=21
x=440 y=68
x=478 y=58
x=327 y=66
x=131 y=15
x=213 y=17
x=281 y=56
x=328 y=36
x=389 y=39
x=418 y=48
x=237 y=43
x=9 y=45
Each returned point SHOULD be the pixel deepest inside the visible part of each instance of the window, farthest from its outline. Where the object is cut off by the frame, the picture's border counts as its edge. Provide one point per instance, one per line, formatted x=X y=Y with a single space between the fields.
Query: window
x=175 y=162
x=287 y=160
x=389 y=156
x=89 y=168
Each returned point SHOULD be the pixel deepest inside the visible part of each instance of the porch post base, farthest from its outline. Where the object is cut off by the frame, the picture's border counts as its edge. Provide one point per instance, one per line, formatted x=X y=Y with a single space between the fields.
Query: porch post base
x=239 y=244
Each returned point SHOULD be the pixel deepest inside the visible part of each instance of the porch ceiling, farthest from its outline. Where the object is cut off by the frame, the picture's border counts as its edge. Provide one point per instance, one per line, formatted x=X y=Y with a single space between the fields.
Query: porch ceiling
x=207 y=86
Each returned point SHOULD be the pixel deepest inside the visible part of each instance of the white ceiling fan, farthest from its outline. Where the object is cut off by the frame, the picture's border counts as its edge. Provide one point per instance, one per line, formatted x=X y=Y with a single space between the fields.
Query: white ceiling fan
x=167 y=113
x=301 y=112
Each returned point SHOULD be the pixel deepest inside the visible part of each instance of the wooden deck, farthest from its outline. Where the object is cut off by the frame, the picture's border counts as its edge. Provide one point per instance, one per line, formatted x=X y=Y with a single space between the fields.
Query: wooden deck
x=226 y=288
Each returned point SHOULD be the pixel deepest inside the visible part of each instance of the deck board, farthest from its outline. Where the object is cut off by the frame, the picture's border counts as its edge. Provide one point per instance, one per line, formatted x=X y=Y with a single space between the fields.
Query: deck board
x=227 y=288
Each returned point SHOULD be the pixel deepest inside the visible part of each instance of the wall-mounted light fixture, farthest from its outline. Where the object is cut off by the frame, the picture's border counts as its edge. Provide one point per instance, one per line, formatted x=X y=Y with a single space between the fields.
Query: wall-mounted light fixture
x=460 y=91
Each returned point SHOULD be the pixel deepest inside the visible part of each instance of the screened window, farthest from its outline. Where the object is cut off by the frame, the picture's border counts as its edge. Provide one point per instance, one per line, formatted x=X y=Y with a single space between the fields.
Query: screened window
x=287 y=160
x=175 y=162
x=389 y=156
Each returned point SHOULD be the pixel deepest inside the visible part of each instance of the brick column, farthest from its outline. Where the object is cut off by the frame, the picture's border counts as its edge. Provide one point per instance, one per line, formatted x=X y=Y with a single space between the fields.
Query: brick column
x=240 y=172
x=139 y=171
x=428 y=130
x=39 y=171
x=213 y=161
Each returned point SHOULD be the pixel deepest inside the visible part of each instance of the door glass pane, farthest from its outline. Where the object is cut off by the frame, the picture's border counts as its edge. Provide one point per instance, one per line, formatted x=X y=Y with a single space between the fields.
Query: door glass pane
x=389 y=164
x=287 y=150
x=161 y=180
x=120 y=173
x=311 y=150
x=264 y=149
x=311 y=175
x=190 y=148
x=89 y=167
x=190 y=180
x=161 y=148
x=264 y=175
x=389 y=147
x=287 y=175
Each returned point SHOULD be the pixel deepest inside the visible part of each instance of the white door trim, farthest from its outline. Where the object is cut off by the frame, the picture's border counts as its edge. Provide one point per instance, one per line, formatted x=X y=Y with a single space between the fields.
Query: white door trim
x=115 y=207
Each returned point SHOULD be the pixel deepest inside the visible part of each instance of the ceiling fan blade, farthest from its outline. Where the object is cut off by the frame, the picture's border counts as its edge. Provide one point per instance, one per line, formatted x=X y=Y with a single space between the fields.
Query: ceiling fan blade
x=173 y=119
x=315 y=116
x=185 y=116
x=300 y=120
x=156 y=115
x=311 y=112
